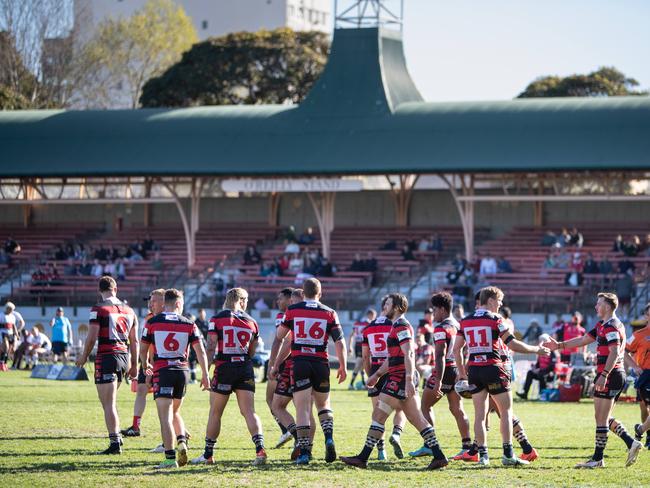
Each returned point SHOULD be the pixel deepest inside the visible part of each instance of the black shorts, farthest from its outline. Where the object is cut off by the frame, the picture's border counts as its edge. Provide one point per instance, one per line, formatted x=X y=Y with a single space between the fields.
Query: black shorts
x=614 y=385
x=110 y=367
x=229 y=376
x=59 y=347
x=395 y=384
x=643 y=386
x=283 y=385
x=310 y=374
x=142 y=377
x=493 y=378
x=358 y=350
x=376 y=390
x=170 y=383
x=448 y=379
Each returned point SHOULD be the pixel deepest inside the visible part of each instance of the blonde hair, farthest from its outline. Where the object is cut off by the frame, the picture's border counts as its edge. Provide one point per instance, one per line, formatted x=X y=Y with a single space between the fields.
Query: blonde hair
x=233 y=296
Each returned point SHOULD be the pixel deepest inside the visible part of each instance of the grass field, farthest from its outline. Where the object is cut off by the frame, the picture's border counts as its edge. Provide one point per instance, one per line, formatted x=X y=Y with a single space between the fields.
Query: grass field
x=52 y=429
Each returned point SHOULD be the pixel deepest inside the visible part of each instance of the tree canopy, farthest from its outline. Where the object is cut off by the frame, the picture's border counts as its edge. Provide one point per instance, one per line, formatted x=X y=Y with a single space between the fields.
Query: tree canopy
x=265 y=67
x=606 y=81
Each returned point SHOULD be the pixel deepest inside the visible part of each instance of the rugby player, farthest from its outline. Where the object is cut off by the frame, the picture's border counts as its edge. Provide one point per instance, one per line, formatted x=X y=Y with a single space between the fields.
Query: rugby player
x=234 y=335
x=8 y=334
x=609 y=335
x=156 y=304
x=443 y=379
x=114 y=325
x=640 y=347
x=167 y=337
x=356 y=340
x=488 y=377
x=311 y=324
x=374 y=353
x=400 y=388
x=283 y=298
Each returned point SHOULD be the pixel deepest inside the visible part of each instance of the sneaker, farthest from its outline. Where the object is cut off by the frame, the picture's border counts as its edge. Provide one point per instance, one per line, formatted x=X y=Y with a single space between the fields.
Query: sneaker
x=302 y=459
x=284 y=438
x=423 y=451
x=260 y=458
x=130 y=432
x=330 y=451
x=530 y=457
x=467 y=457
x=397 y=447
x=202 y=460
x=459 y=455
x=295 y=453
x=168 y=464
x=181 y=449
x=160 y=448
x=381 y=455
x=113 y=448
x=513 y=461
x=523 y=396
x=355 y=461
x=438 y=463
x=633 y=453
x=591 y=464
x=638 y=435
x=484 y=461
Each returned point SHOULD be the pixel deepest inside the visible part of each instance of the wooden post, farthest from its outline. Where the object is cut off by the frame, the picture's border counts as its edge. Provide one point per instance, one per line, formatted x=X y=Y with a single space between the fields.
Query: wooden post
x=465 y=210
x=323 y=206
x=402 y=196
x=274 y=207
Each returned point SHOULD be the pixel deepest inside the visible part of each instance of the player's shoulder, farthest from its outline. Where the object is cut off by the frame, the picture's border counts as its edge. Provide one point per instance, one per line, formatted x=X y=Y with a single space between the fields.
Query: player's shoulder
x=243 y=315
x=401 y=322
x=222 y=314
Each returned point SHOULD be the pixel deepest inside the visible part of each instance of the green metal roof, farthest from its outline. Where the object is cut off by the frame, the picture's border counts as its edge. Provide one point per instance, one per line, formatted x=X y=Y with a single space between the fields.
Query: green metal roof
x=364 y=116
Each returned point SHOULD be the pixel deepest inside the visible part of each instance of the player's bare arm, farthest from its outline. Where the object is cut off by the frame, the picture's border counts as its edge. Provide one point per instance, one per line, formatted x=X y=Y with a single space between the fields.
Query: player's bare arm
x=409 y=366
x=133 y=349
x=91 y=338
x=342 y=356
x=459 y=343
x=203 y=364
x=365 y=358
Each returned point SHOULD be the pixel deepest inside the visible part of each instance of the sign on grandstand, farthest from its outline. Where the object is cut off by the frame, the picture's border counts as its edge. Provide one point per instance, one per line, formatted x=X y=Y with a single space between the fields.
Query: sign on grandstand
x=288 y=185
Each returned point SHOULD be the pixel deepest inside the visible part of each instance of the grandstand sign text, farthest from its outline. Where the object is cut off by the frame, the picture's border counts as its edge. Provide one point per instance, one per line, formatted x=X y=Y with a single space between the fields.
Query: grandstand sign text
x=291 y=185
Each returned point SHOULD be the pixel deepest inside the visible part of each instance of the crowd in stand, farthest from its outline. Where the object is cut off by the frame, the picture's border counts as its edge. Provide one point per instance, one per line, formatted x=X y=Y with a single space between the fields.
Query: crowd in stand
x=633 y=247
x=8 y=250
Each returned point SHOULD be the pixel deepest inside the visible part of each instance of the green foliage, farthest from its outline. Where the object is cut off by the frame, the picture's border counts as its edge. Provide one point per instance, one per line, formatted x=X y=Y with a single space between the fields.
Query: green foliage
x=17 y=83
x=265 y=67
x=607 y=81
x=58 y=426
x=12 y=100
x=129 y=51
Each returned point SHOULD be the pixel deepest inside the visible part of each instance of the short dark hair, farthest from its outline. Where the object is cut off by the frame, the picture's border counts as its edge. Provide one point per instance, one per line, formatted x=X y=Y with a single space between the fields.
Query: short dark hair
x=311 y=287
x=171 y=295
x=400 y=302
x=610 y=298
x=286 y=292
x=477 y=296
x=442 y=299
x=106 y=283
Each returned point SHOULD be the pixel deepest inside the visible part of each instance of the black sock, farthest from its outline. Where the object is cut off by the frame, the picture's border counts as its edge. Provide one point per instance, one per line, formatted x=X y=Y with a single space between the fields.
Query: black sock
x=181 y=438
x=601 y=442
x=375 y=433
x=171 y=454
x=363 y=378
x=466 y=443
x=282 y=427
x=431 y=441
x=258 y=440
x=520 y=436
x=482 y=451
x=354 y=377
x=326 y=418
x=115 y=438
x=292 y=428
x=380 y=444
x=473 y=449
x=619 y=429
x=507 y=450
x=209 y=447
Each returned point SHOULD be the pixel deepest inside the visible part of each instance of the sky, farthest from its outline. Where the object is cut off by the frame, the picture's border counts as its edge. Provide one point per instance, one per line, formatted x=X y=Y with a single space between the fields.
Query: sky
x=491 y=49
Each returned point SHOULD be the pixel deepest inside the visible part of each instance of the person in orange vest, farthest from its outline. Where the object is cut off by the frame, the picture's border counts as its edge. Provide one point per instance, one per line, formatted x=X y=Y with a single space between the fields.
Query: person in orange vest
x=639 y=346
x=570 y=330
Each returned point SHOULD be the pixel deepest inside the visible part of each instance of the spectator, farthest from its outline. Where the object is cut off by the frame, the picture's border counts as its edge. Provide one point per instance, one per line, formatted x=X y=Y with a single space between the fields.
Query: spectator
x=458 y=264
x=291 y=247
x=61 y=335
x=590 y=265
x=533 y=333
x=21 y=350
x=571 y=330
x=435 y=243
x=370 y=263
x=557 y=328
x=576 y=262
x=70 y=268
x=260 y=304
x=542 y=371
x=38 y=346
x=290 y=235
x=157 y=263
x=265 y=270
x=109 y=269
x=563 y=260
x=633 y=247
x=549 y=262
x=475 y=264
x=576 y=238
x=325 y=268
x=5 y=258
x=573 y=278
x=411 y=244
x=564 y=238
x=11 y=246
x=619 y=245
x=461 y=290
x=605 y=266
x=624 y=265
x=120 y=269
x=149 y=244
x=389 y=246
x=503 y=265
x=60 y=254
x=296 y=263
x=19 y=321
x=85 y=268
x=549 y=239
x=251 y=256
x=307 y=237
x=407 y=253
x=425 y=326
x=625 y=291
x=202 y=322
x=423 y=245
x=357 y=263
x=488 y=266
x=645 y=247
x=97 y=269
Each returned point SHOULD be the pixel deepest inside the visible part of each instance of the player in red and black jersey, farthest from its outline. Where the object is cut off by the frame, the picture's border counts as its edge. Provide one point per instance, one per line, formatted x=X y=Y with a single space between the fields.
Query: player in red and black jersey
x=282 y=299
x=482 y=332
x=426 y=326
x=166 y=338
x=442 y=380
x=311 y=324
x=115 y=327
x=356 y=341
x=400 y=389
x=156 y=304
x=374 y=353
x=233 y=334
x=609 y=335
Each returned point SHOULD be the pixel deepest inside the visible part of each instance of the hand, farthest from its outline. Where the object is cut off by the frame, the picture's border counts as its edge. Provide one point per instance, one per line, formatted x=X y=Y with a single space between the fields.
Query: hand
x=133 y=372
x=437 y=392
x=205 y=383
x=341 y=374
x=80 y=362
x=543 y=351
x=600 y=383
x=551 y=344
x=372 y=380
x=148 y=374
x=410 y=387
x=272 y=375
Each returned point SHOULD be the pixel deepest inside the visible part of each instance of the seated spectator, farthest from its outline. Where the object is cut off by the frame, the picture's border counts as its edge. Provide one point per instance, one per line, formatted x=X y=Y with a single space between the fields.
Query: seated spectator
x=149 y=244
x=533 y=332
x=423 y=245
x=283 y=264
x=576 y=238
x=357 y=263
x=488 y=266
x=60 y=254
x=549 y=239
x=624 y=265
x=157 y=263
x=605 y=266
x=461 y=290
x=97 y=269
x=296 y=263
x=370 y=263
x=475 y=264
x=459 y=264
x=632 y=247
x=564 y=239
x=291 y=247
x=260 y=304
x=407 y=253
x=389 y=246
x=70 y=268
x=563 y=260
x=590 y=266
x=325 y=269
x=576 y=262
x=5 y=258
x=290 y=234
x=573 y=278
x=265 y=270
x=503 y=265
x=625 y=291
x=39 y=345
x=549 y=262
x=435 y=243
x=109 y=269
x=137 y=247
x=251 y=256
x=11 y=246
x=543 y=371
x=645 y=246
x=276 y=269
x=619 y=245
x=85 y=268
x=120 y=269
x=307 y=237
x=412 y=244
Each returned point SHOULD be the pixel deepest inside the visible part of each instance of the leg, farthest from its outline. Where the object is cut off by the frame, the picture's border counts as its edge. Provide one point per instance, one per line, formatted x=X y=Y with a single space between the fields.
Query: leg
x=503 y=402
x=302 y=401
x=246 y=402
x=179 y=424
x=411 y=409
x=480 y=401
x=279 y=406
x=462 y=421
x=602 y=411
x=107 y=393
x=166 y=416
x=384 y=406
x=326 y=419
x=218 y=404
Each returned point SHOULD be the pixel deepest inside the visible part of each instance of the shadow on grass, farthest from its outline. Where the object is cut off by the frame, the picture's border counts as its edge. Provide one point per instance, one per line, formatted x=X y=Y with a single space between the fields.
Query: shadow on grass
x=50 y=437
x=73 y=466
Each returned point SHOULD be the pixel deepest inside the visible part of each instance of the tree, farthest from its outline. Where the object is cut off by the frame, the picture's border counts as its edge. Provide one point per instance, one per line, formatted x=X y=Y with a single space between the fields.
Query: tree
x=265 y=67
x=607 y=81
x=127 y=52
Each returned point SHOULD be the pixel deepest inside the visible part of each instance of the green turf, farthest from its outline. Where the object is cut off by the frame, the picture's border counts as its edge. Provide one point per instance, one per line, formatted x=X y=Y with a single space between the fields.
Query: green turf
x=52 y=429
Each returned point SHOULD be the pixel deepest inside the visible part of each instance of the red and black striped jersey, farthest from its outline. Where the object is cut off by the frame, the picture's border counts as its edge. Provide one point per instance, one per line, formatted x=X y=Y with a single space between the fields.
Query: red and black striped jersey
x=445 y=332
x=170 y=335
x=482 y=330
x=115 y=320
x=375 y=338
x=235 y=332
x=426 y=354
x=147 y=318
x=400 y=333
x=607 y=334
x=357 y=329
x=311 y=324
x=279 y=318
